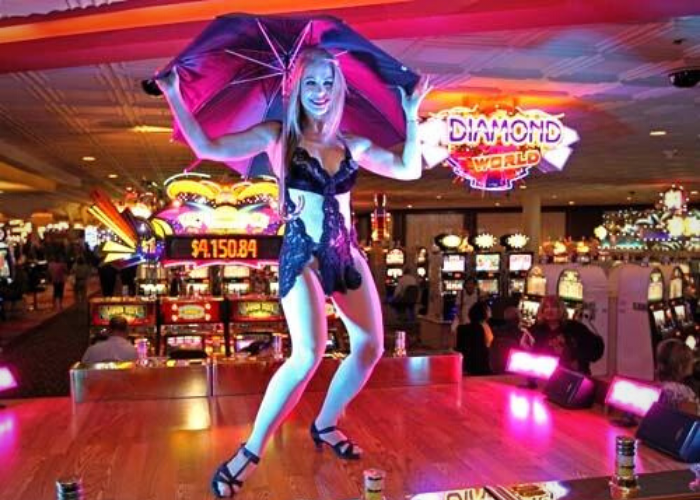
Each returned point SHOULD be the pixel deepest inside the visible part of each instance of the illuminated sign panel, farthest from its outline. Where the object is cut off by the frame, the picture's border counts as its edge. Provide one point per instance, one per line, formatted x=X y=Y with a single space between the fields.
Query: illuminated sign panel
x=492 y=149
x=211 y=247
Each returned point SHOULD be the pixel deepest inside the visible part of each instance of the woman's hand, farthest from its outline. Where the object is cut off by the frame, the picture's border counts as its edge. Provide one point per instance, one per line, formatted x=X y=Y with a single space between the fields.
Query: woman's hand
x=411 y=103
x=170 y=83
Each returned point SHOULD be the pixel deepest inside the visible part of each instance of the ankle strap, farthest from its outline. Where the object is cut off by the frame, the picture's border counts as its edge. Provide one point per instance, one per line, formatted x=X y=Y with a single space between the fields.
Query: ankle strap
x=332 y=428
x=250 y=455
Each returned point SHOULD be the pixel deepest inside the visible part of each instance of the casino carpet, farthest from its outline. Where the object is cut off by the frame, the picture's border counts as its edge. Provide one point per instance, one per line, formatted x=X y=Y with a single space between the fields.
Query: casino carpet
x=41 y=357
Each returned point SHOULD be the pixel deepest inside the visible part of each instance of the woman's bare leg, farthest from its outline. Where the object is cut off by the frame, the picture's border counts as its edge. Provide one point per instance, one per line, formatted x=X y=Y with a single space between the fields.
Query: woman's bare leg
x=304 y=308
x=361 y=313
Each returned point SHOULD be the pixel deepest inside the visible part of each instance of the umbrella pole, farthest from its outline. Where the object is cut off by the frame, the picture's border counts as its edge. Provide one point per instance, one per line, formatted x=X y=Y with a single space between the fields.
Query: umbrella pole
x=282 y=172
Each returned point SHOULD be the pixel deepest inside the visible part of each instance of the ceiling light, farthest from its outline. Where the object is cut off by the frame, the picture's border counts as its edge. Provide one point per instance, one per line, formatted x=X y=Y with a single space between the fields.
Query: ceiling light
x=629 y=198
x=410 y=206
x=657 y=133
x=694 y=192
x=498 y=204
x=89 y=158
x=523 y=186
x=554 y=196
x=439 y=197
x=151 y=129
x=112 y=176
x=572 y=203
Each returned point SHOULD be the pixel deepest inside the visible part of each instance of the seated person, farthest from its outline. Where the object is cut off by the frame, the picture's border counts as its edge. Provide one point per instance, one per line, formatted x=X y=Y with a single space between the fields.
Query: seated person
x=474 y=340
x=116 y=347
x=406 y=293
x=507 y=336
x=674 y=364
x=575 y=345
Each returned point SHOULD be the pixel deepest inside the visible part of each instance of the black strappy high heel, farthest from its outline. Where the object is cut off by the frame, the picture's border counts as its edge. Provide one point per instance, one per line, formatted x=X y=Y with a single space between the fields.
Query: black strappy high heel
x=344 y=449
x=223 y=475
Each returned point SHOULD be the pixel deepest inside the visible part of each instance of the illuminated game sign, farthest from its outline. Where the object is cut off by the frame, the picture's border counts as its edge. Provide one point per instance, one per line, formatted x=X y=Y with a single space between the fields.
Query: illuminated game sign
x=492 y=149
x=135 y=314
x=211 y=247
x=258 y=310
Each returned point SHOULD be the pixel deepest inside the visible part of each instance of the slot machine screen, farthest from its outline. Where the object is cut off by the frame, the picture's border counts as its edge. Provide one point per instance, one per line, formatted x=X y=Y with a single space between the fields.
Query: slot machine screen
x=691 y=342
x=193 y=342
x=570 y=286
x=489 y=287
x=656 y=291
x=454 y=263
x=659 y=318
x=680 y=312
x=199 y=273
x=236 y=272
x=421 y=272
x=530 y=308
x=675 y=288
x=570 y=312
x=245 y=342
x=517 y=286
x=519 y=262
x=488 y=262
x=536 y=285
x=395 y=257
x=394 y=272
x=4 y=263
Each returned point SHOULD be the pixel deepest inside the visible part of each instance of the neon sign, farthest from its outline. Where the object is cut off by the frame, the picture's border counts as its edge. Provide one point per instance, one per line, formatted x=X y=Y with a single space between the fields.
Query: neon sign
x=493 y=149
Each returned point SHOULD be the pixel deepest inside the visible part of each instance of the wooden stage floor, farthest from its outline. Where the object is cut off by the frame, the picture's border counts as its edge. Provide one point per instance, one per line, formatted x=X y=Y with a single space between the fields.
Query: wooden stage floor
x=427 y=439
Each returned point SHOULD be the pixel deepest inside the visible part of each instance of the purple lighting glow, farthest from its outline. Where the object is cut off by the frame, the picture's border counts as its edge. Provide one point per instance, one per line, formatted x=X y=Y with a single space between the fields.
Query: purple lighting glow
x=632 y=396
x=531 y=365
x=7 y=380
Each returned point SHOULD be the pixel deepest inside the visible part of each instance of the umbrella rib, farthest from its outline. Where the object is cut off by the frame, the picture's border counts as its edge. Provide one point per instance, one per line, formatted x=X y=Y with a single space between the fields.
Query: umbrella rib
x=251 y=59
x=256 y=78
x=272 y=45
x=297 y=45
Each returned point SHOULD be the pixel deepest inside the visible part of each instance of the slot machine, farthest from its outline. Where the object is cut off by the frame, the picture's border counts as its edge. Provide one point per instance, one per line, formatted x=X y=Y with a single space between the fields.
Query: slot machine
x=584 y=291
x=235 y=280
x=642 y=319
x=570 y=291
x=542 y=279
x=519 y=265
x=422 y=262
x=394 y=262
x=139 y=312
x=453 y=271
x=194 y=326
x=488 y=275
x=254 y=321
x=680 y=307
x=198 y=281
x=151 y=279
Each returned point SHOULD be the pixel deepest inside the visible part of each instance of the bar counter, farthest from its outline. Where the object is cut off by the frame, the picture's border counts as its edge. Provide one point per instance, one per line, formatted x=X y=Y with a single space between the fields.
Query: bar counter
x=160 y=378
x=667 y=485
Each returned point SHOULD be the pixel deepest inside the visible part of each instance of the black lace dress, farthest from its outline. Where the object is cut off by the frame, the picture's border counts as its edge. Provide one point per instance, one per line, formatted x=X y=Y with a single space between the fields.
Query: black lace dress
x=336 y=268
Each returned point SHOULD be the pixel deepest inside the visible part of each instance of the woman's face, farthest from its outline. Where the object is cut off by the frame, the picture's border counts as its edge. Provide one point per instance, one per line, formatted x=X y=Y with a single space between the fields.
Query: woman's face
x=550 y=312
x=316 y=87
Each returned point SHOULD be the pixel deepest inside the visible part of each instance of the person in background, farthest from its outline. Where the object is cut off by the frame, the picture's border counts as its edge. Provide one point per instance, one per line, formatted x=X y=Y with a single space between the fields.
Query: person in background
x=474 y=340
x=406 y=294
x=466 y=298
x=57 y=273
x=575 y=345
x=507 y=335
x=81 y=273
x=674 y=366
x=116 y=347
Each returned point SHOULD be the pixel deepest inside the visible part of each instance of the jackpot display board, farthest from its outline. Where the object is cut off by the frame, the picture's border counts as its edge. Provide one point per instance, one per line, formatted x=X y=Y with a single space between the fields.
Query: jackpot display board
x=222 y=248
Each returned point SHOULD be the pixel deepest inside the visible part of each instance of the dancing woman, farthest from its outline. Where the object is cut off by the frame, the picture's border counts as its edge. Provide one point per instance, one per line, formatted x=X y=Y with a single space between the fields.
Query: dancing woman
x=319 y=256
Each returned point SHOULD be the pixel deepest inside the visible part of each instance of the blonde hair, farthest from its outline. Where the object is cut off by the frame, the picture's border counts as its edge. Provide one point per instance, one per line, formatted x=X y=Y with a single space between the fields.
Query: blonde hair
x=551 y=301
x=295 y=111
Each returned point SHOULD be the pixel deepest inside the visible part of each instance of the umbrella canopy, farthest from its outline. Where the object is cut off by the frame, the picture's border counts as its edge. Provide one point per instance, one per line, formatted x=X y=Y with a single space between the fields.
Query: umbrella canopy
x=234 y=75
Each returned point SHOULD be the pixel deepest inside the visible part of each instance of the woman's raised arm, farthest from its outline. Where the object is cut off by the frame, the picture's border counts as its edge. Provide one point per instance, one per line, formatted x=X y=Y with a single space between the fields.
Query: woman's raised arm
x=238 y=146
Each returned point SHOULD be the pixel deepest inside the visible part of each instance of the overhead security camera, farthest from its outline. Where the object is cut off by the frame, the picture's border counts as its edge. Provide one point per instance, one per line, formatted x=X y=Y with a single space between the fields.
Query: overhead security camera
x=685 y=78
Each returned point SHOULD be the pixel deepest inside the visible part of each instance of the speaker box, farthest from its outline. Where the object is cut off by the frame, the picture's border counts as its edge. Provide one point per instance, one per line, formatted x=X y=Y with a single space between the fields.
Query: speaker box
x=672 y=432
x=570 y=389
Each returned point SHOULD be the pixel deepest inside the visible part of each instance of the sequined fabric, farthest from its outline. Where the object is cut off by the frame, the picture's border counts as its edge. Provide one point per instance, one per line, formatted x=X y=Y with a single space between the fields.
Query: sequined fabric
x=336 y=268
